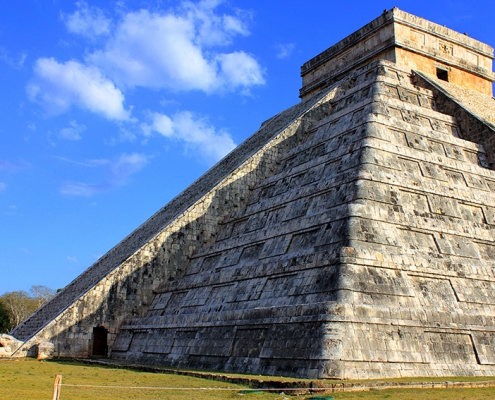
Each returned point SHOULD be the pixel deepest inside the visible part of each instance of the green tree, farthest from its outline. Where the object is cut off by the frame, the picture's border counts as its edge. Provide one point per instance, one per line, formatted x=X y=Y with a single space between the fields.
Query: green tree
x=19 y=305
x=41 y=294
x=4 y=319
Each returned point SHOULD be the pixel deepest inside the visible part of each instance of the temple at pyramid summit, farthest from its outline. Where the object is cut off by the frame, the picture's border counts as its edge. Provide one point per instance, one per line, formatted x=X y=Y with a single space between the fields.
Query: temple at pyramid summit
x=351 y=236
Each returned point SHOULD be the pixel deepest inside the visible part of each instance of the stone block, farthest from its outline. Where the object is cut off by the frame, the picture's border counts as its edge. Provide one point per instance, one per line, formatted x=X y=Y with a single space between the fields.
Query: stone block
x=349 y=237
x=45 y=351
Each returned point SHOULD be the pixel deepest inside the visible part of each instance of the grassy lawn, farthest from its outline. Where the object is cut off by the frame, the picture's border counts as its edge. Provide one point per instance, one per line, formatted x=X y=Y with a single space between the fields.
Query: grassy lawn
x=30 y=379
x=420 y=394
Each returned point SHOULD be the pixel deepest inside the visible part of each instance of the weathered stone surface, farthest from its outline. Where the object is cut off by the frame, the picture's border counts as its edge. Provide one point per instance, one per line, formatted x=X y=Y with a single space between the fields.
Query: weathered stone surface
x=121 y=283
x=45 y=350
x=409 y=41
x=277 y=293
x=351 y=237
x=9 y=345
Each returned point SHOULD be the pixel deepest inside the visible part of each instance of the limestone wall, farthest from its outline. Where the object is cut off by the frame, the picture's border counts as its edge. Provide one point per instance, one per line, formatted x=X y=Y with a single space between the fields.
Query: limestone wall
x=354 y=240
x=121 y=283
x=256 y=300
x=409 y=41
x=420 y=268
x=368 y=254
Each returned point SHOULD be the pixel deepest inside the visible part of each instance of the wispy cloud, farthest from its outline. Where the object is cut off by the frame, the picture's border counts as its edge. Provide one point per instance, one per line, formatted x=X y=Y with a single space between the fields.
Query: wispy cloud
x=16 y=62
x=284 y=50
x=196 y=133
x=117 y=171
x=73 y=132
x=176 y=49
x=2 y=186
x=9 y=166
x=72 y=259
x=92 y=163
x=87 y=21
x=11 y=211
x=58 y=86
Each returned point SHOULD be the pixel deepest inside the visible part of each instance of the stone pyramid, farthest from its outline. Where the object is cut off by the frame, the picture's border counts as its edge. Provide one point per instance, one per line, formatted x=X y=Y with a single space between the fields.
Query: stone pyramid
x=352 y=236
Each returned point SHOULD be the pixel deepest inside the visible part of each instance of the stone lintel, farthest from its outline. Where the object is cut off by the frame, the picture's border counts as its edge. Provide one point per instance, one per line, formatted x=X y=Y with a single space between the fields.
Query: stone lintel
x=409 y=41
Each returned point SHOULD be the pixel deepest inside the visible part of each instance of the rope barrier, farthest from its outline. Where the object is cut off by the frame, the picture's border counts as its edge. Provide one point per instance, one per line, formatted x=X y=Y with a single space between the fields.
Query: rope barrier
x=430 y=385
x=57 y=386
x=176 y=388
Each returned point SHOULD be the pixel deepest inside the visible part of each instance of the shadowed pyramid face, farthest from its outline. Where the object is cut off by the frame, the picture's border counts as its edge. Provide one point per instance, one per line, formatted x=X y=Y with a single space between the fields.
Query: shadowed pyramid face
x=350 y=237
x=354 y=259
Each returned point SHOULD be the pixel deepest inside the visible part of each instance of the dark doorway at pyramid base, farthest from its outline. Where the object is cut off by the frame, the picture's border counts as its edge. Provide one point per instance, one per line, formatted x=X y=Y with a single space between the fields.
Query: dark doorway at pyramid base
x=100 y=347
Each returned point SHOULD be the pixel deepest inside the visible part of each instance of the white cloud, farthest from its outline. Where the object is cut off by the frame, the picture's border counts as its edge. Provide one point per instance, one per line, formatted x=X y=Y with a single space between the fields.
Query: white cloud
x=126 y=165
x=72 y=259
x=284 y=50
x=81 y=189
x=240 y=69
x=73 y=132
x=59 y=86
x=196 y=133
x=2 y=186
x=213 y=29
x=16 y=62
x=177 y=49
x=155 y=51
x=87 y=21
x=117 y=171
x=173 y=50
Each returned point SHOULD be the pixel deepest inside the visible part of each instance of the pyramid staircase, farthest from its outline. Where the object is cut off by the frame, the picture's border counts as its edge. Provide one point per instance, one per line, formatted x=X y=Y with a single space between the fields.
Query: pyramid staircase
x=352 y=236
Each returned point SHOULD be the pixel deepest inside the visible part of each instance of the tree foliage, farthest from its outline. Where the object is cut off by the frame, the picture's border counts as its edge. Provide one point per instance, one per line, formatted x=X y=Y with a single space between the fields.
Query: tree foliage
x=42 y=294
x=4 y=318
x=19 y=304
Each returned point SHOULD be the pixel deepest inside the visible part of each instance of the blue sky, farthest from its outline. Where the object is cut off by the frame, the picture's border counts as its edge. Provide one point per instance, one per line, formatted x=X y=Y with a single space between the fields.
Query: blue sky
x=109 y=109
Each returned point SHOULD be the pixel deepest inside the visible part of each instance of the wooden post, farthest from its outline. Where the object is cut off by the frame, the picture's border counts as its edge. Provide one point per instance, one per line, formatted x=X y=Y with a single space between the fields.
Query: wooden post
x=57 y=387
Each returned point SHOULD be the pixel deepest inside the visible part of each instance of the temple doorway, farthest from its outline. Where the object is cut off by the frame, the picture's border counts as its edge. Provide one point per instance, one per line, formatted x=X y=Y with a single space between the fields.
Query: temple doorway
x=100 y=347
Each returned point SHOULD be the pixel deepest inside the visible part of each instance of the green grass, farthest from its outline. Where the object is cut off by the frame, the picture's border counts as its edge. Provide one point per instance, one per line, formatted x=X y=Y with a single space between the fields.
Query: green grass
x=30 y=379
x=420 y=394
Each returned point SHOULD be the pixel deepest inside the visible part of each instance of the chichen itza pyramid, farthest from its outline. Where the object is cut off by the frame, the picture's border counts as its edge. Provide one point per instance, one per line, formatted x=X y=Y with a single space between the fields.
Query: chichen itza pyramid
x=352 y=236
